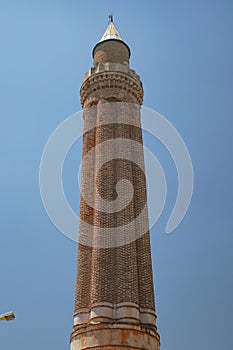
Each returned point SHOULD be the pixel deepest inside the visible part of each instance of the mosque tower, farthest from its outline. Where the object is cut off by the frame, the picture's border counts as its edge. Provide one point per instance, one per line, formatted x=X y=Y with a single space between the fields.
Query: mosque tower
x=114 y=304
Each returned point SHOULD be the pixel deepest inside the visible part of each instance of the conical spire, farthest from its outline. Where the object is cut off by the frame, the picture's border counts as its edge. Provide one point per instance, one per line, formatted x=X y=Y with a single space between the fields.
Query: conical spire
x=111 y=32
x=111 y=36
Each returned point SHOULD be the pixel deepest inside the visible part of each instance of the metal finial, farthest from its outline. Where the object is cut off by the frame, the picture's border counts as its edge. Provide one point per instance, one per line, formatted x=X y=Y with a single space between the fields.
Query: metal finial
x=110 y=17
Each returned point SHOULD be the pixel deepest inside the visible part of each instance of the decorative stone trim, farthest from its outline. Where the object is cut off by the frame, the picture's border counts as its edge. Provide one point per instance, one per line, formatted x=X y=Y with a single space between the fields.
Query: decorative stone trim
x=111 y=67
x=120 y=81
x=121 y=312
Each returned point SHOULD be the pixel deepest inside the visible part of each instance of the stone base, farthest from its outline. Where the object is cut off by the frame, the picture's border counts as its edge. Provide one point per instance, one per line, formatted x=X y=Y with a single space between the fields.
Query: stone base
x=114 y=336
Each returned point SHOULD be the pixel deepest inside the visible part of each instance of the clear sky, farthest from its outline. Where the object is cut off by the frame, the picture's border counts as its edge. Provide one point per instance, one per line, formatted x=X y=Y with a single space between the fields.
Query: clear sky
x=183 y=52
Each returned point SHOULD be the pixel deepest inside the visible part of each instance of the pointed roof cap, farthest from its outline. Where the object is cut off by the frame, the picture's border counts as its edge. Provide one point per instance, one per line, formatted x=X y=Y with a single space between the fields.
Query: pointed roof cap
x=111 y=33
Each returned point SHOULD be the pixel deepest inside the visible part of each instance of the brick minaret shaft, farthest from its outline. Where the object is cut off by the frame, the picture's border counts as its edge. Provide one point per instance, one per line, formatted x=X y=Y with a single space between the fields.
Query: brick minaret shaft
x=114 y=305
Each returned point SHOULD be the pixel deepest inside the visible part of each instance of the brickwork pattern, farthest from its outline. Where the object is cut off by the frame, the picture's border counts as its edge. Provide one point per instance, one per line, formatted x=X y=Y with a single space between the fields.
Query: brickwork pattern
x=120 y=274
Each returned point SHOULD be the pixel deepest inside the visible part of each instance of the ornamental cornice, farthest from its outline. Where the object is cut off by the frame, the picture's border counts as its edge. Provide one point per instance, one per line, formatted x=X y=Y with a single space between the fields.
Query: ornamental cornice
x=99 y=79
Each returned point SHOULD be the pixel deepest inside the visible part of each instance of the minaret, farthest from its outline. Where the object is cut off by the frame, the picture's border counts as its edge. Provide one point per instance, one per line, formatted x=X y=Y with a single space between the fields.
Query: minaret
x=114 y=305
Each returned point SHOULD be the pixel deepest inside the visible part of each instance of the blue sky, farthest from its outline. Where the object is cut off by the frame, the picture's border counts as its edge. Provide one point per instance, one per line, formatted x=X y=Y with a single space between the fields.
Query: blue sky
x=183 y=52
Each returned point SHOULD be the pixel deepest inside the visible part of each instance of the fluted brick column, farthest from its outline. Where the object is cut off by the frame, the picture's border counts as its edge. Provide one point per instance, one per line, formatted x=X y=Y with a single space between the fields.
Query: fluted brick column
x=114 y=305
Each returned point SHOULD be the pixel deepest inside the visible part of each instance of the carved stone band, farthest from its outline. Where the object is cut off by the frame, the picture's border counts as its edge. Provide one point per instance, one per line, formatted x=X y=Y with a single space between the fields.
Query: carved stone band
x=112 y=83
x=121 y=312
